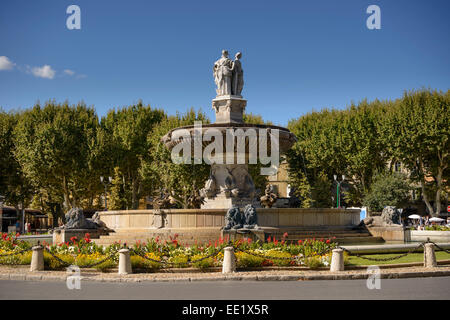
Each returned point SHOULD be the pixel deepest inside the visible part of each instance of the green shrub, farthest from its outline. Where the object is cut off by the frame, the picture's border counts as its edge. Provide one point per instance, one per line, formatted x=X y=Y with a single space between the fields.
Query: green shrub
x=245 y=260
x=279 y=254
x=205 y=263
x=179 y=261
x=138 y=262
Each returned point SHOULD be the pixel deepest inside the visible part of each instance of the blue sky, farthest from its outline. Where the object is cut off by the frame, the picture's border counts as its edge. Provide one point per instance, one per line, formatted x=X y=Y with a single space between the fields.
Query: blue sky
x=298 y=56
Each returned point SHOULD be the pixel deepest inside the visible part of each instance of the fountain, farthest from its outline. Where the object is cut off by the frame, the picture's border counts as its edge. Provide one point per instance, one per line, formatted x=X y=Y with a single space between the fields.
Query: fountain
x=229 y=145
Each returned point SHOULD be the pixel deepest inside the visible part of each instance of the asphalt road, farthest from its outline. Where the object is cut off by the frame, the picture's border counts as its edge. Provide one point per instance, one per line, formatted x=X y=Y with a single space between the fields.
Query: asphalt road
x=414 y=288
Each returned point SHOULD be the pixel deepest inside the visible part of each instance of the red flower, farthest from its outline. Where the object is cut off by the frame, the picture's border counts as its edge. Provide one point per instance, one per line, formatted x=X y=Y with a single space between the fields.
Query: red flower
x=87 y=235
x=73 y=239
x=300 y=241
x=157 y=239
x=285 y=235
x=269 y=239
x=328 y=241
x=275 y=241
x=249 y=240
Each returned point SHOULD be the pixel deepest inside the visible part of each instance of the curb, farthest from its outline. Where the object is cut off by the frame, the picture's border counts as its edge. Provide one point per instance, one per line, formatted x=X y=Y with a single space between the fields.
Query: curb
x=38 y=276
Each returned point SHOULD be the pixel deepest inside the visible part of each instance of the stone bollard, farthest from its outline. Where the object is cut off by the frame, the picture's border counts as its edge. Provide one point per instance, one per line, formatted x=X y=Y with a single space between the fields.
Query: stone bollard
x=124 y=261
x=429 y=257
x=337 y=260
x=37 y=259
x=229 y=260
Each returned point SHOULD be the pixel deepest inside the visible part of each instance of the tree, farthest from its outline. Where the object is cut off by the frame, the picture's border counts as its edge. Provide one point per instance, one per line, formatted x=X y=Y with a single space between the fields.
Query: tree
x=117 y=200
x=124 y=138
x=417 y=131
x=254 y=170
x=387 y=189
x=160 y=172
x=14 y=186
x=53 y=146
x=337 y=142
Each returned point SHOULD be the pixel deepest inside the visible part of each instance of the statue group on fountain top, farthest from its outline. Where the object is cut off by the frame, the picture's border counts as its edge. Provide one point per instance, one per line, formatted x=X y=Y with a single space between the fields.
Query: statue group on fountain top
x=228 y=75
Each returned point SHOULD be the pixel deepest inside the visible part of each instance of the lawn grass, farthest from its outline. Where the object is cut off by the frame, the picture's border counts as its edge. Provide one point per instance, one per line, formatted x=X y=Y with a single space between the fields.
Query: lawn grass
x=413 y=257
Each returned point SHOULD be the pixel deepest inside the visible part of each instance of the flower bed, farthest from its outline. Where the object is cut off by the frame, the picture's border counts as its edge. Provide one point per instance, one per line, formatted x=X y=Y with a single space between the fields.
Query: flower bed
x=155 y=254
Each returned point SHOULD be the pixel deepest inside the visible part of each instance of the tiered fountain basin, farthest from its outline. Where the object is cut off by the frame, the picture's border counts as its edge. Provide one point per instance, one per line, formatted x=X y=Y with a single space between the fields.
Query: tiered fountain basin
x=204 y=225
x=286 y=138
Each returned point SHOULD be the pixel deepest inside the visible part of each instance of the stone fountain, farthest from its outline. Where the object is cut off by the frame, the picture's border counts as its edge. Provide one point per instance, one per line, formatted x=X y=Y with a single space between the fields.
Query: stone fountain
x=230 y=183
x=229 y=145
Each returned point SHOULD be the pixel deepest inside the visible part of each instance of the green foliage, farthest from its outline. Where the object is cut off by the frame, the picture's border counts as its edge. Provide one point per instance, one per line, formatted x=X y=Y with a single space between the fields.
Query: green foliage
x=161 y=172
x=124 y=140
x=117 y=200
x=417 y=130
x=14 y=186
x=138 y=262
x=388 y=189
x=52 y=145
x=202 y=264
x=364 y=138
x=245 y=260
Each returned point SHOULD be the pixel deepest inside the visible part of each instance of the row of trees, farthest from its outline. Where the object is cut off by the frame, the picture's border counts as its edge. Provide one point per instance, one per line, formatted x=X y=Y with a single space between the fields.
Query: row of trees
x=51 y=156
x=364 y=140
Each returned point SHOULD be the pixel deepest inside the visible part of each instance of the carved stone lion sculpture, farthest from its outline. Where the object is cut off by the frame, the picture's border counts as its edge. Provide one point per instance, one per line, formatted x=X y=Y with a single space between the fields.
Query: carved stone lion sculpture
x=250 y=217
x=390 y=215
x=269 y=197
x=75 y=220
x=233 y=219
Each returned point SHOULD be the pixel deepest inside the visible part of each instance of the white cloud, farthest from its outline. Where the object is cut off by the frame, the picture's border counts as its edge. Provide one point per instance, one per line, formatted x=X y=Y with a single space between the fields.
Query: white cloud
x=5 y=63
x=44 y=72
x=69 y=72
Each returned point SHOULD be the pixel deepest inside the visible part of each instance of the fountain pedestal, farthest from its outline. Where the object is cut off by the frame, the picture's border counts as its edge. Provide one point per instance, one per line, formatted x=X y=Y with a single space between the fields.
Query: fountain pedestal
x=229 y=109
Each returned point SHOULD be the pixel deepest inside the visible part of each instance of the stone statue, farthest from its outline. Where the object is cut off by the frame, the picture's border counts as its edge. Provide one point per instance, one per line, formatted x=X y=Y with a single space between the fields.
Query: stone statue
x=96 y=219
x=229 y=75
x=250 y=217
x=209 y=191
x=195 y=200
x=238 y=76
x=163 y=201
x=75 y=220
x=223 y=73
x=233 y=219
x=269 y=197
x=390 y=215
x=294 y=201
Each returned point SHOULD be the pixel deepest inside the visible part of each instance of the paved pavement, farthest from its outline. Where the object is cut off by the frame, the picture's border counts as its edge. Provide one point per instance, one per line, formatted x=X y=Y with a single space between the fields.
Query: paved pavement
x=412 y=288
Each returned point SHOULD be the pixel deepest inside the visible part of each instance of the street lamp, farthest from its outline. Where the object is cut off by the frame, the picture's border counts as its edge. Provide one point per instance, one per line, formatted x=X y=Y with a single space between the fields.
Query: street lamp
x=105 y=183
x=338 y=193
